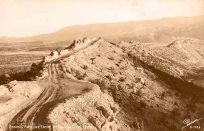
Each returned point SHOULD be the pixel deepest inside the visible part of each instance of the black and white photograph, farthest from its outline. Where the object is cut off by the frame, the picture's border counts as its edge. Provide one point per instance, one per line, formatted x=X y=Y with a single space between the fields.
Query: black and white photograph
x=101 y=65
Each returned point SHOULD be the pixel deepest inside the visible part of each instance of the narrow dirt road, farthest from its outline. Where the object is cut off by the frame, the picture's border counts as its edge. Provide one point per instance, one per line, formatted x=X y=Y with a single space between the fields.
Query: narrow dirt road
x=56 y=90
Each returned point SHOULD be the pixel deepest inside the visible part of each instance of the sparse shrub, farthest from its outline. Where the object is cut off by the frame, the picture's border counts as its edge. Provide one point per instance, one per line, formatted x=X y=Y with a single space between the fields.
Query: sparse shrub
x=137 y=80
x=163 y=94
x=139 y=93
x=121 y=79
x=85 y=67
x=92 y=60
x=7 y=78
x=175 y=103
x=102 y=83
x=120 y=87
x=143 y=104
x=79 y=75
x=123 y=48
x=111 y=58
x=108 y=77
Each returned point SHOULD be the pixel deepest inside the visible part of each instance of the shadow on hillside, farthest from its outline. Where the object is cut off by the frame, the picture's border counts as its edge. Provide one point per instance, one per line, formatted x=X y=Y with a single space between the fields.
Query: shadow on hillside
x=186 y=88
x=22 y=76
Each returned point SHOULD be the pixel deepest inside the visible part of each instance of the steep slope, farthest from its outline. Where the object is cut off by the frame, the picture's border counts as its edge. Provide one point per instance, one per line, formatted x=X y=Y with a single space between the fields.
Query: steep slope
x=131 y=84
x=97 y=85
x=14 y=97
x=192 y=49
x=57 y=88
x=180 y=58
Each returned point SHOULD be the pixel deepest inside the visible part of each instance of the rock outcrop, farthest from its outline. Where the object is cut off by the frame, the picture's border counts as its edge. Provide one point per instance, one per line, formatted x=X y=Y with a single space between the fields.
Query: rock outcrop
x=75 y=46
x=92 y=111
x=97 y=85
x=192 y=49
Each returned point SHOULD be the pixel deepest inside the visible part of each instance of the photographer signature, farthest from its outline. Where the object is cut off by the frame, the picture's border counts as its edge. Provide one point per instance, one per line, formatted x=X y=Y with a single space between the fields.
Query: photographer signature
x=188 y=123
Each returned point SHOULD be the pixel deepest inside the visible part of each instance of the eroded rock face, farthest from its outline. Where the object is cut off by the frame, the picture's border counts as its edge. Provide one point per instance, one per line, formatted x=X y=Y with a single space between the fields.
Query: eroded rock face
x=75 y=46
x=132 y=86
x=105 y=86
x=191 y=49
x=178 y=59
x=111 y=69
x=14 y=97
x=91 y=111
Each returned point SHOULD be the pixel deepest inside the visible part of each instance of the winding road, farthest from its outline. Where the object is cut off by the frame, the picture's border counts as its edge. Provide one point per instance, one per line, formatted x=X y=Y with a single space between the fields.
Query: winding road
x=55 y=90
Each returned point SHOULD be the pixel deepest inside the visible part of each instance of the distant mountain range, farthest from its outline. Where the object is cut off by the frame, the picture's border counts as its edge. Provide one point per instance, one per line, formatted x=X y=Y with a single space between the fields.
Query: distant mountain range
x=162 y=30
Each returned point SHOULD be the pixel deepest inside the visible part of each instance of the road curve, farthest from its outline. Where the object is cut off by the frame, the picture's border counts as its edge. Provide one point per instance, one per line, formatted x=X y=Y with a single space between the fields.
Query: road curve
x=55 y=90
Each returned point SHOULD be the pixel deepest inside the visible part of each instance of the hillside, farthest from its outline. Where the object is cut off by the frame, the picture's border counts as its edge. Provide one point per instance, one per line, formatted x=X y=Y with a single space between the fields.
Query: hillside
x=94 y=84
x=166 y=30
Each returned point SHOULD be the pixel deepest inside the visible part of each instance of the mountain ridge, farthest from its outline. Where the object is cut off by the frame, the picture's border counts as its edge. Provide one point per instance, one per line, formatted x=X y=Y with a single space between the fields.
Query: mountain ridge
x=96 y=84
x=148 y=30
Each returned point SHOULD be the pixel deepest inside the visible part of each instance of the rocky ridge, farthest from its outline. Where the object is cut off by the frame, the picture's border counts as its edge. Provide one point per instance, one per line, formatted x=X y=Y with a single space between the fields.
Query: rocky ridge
x=97 y=85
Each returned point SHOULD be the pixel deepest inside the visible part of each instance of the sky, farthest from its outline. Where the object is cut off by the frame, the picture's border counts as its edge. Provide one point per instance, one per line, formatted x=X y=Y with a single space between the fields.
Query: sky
x=20 y=18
